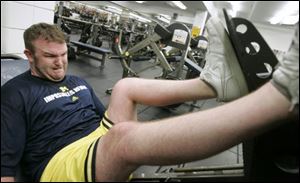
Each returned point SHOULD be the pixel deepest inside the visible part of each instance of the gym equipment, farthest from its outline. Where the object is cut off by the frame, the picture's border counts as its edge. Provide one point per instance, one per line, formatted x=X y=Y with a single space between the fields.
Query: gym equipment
x=180 y=39
x=11 y=66
x=159 y=33
x=258 y=62
x=91 y=48
x=198 y=50
x=195 y=60
x=264 y=160
x=176 y=35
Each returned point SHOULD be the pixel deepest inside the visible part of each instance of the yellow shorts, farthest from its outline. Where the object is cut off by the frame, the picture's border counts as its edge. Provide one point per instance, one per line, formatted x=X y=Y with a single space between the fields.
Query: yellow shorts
x=76 y=162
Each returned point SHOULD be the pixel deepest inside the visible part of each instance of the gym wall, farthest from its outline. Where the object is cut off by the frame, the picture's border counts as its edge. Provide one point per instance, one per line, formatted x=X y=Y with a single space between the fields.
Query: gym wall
x=16 y=16
x=277 y=38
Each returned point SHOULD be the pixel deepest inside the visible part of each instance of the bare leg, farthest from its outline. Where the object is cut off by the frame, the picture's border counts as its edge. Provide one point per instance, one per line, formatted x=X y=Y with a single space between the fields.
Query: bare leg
x=197 y=135
x=130 y=91
x=189 y=137
x=204 y=133
x=126 y=94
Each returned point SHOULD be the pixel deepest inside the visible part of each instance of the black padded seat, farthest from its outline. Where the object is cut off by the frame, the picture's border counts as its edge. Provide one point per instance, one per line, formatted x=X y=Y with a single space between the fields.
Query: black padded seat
x=91 y=47
x=11 y=68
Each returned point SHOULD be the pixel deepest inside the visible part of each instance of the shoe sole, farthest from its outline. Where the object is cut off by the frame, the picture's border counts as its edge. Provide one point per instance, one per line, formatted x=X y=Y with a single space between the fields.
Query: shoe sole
x=232 y=61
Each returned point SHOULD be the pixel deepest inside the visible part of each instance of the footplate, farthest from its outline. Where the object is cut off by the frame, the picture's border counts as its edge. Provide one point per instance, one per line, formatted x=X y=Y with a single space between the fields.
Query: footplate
x=256 y=58
x=258 y=62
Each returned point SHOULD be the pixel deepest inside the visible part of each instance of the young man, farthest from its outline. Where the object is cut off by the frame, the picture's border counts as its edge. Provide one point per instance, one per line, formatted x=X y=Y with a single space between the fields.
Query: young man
x=189 y=137
x=43 y=110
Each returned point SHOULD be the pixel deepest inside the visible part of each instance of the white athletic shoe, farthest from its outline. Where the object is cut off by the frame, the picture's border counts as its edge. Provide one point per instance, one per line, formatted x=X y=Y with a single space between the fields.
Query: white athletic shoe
x=286 y=76
x=222 y=70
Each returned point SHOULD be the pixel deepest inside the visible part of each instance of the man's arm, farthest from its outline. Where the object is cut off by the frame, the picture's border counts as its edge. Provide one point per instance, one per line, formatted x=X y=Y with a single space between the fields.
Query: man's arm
x=13 y=130
x=100 y=108
x=99 y=105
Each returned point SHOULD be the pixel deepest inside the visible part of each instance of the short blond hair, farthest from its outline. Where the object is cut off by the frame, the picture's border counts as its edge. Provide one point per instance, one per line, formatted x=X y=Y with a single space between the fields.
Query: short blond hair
x=45 y=31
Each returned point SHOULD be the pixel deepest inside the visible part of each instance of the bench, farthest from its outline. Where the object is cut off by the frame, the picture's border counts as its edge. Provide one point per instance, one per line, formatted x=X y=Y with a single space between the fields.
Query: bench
x=11 y=68
x=91 y=48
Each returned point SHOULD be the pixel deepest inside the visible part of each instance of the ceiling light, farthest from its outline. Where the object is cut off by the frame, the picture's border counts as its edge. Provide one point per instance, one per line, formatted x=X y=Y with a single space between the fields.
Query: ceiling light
x=284 y=19
x=142 y=19
x=289 y=14
x=168 y=17
x=114 y=9
x=236 y=6
x=179 y=4
x=162 y=18
x=290 y=20
x=141 y=2
x=232 y=13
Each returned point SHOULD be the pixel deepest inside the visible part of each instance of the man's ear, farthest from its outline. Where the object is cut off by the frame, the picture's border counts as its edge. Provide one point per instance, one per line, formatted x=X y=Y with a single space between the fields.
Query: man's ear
x=29 y=55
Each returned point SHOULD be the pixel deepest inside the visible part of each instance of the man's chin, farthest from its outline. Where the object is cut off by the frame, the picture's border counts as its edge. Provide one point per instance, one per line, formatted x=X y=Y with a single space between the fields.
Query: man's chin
x=57 y=78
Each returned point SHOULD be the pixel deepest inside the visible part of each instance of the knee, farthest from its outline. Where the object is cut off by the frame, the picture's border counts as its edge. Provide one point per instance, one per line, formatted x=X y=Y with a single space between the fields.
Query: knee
x=119 y=133
x=120 y=130
x=124 y=85
x=113 y=153
x=117 y=140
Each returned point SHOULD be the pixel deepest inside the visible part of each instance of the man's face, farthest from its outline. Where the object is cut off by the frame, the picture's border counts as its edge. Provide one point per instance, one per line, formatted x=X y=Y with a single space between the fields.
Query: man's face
x=49 y=60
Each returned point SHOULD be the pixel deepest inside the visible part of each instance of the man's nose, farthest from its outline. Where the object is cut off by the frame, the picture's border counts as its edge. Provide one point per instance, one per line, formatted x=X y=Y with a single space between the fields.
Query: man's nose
x=59 y=61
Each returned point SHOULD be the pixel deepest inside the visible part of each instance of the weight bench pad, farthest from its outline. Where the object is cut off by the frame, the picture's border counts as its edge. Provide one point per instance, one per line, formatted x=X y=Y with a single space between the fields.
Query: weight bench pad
x=91 y=47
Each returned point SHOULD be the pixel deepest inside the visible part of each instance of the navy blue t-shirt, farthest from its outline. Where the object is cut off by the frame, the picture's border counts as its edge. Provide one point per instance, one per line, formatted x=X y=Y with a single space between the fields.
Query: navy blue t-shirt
x=39 y=117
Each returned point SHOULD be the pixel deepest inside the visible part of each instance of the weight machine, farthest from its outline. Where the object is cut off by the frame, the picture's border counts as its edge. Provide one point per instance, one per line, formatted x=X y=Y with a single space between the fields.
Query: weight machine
x=264 y=160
